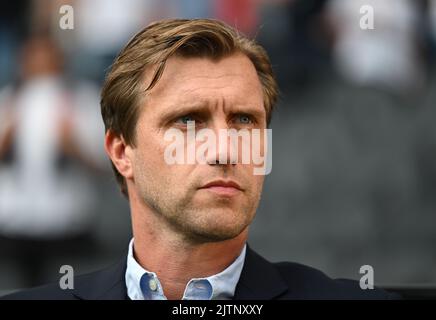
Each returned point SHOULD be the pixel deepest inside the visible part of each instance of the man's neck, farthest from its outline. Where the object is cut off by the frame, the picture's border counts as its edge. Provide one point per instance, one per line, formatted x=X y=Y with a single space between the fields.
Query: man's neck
x=175 y=266
x=176 y=261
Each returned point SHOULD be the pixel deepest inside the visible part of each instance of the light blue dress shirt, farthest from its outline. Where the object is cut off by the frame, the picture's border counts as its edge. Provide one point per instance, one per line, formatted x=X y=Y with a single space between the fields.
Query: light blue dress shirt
x=144 y=285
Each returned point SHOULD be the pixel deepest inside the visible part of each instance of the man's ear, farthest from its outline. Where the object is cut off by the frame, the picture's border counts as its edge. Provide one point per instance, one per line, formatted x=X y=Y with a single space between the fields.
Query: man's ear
x=120 y=153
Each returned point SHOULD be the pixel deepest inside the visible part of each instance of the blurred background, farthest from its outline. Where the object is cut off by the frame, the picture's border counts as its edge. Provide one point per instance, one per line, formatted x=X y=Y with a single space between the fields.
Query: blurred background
x=354 y=152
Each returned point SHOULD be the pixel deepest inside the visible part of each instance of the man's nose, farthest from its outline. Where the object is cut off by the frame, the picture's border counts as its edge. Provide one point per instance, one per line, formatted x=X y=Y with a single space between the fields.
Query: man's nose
x=226 y=149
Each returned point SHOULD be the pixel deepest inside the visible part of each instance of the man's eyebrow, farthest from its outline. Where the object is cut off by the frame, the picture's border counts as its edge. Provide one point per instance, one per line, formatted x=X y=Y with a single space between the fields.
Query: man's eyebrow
x=202 y=108
x=256 y=112
x=184 y=109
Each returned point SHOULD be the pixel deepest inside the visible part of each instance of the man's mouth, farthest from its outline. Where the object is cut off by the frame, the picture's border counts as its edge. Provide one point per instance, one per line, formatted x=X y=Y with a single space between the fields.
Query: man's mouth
x=227 y=188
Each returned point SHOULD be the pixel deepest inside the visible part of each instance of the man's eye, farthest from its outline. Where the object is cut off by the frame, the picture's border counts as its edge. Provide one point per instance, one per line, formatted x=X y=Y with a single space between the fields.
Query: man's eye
x=245 y=119
x=185 y=119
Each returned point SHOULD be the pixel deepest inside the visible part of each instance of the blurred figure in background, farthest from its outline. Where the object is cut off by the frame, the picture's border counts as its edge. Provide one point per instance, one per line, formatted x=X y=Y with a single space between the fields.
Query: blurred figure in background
x=48 y=135
x=385 y=57
x=93 y=44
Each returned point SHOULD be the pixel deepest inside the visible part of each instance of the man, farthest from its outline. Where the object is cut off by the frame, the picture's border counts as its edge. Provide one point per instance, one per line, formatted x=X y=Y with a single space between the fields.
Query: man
x=190 y=220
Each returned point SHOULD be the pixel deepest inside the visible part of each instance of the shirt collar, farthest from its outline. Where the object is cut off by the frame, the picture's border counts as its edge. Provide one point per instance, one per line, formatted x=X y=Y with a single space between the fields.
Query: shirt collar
x=145 y=285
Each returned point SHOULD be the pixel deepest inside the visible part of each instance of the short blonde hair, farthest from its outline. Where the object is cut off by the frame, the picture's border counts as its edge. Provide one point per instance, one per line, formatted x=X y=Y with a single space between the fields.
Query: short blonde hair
x=152 y=47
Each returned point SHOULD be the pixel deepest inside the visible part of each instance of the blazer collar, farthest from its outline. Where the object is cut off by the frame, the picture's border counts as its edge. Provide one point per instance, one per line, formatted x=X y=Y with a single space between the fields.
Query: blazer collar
x=259 y=280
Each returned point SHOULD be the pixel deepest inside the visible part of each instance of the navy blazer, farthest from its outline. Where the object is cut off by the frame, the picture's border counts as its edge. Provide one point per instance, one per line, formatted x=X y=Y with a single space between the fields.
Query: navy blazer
x=260 y=280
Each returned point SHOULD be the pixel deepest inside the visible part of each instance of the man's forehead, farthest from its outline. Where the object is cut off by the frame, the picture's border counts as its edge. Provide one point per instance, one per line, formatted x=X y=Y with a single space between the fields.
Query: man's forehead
x=191 y=76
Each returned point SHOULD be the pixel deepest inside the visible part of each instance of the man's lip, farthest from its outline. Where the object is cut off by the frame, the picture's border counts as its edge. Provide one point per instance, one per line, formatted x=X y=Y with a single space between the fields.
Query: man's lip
x=222 y=183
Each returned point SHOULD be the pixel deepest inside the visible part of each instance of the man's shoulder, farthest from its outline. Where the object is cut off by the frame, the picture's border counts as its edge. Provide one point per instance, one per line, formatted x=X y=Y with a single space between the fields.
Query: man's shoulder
x=310 y=283
x=265 y=280
x=52 y=291
x=103 y=284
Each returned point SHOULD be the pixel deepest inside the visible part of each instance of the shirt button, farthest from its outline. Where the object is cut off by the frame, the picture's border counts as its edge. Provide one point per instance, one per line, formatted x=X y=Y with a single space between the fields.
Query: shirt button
x=200 y=286
x=152 y=285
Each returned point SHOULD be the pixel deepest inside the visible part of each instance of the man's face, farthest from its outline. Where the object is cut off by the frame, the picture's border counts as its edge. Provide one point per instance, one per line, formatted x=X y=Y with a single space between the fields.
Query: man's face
x=222 y=94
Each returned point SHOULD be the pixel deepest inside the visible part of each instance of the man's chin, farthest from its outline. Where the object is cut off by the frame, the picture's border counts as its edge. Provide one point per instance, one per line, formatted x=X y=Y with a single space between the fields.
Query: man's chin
x=215 y=234
x=212 y=224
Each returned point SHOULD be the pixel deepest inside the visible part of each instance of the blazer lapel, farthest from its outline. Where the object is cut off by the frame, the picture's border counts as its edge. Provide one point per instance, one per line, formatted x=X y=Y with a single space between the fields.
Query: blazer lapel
x=259 y=280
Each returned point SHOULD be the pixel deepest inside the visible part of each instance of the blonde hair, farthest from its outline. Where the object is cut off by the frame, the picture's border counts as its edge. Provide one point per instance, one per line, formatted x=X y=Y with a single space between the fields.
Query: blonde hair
x=152 y=47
